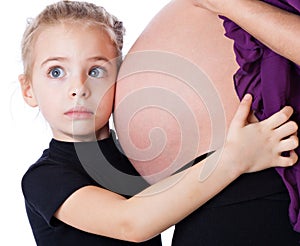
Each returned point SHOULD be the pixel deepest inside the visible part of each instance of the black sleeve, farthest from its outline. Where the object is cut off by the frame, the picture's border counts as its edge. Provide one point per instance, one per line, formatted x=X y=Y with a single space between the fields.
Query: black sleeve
x=47 y=186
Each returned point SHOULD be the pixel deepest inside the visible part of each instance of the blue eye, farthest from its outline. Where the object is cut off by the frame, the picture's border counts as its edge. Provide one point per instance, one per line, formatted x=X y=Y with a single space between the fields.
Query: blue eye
x=97 y=72
x=56 y=72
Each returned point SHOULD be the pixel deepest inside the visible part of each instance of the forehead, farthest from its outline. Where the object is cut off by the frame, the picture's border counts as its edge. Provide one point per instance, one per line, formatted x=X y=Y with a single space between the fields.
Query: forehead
x=76 y=38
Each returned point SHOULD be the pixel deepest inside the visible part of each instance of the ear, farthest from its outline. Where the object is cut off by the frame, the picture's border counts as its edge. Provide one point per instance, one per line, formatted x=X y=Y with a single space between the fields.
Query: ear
x=27 y=91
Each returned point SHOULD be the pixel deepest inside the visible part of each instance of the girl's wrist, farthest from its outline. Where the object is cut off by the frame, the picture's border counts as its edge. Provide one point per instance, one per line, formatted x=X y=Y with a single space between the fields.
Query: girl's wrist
x=223 y=159
x=232 y=162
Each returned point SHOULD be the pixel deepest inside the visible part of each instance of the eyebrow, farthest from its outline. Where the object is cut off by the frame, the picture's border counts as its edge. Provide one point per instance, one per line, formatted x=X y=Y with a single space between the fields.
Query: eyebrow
x=58 y=58
x=100 y=58
x=53 y=59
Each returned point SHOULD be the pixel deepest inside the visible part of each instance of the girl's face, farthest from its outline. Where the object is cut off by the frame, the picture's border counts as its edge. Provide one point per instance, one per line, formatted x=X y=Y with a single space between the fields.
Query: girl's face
x=73 y=80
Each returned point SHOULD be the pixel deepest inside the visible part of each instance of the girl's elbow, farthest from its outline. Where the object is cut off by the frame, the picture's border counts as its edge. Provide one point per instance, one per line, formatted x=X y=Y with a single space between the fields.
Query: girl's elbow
x=136 y=232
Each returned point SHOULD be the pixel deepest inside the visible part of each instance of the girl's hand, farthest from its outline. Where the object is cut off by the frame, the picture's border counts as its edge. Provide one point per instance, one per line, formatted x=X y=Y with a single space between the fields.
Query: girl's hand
x=257 y=146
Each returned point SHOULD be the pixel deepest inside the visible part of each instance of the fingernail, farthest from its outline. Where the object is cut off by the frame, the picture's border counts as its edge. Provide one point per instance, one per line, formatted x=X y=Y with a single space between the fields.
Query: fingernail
x=247 y=97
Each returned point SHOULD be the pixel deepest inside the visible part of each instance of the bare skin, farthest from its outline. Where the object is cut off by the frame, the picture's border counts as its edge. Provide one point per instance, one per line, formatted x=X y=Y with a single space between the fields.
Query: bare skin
x=212 y=53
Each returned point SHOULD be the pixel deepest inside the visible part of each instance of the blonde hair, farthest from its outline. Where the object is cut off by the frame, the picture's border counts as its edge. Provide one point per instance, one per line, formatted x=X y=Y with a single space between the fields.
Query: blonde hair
x=71 y=11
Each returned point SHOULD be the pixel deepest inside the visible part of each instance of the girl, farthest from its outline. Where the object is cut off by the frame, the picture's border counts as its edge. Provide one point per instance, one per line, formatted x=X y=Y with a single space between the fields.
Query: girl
x=71 y=53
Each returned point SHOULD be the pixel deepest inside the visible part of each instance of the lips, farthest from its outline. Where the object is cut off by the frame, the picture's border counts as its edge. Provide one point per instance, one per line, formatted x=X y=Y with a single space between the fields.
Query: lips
x=79 y=113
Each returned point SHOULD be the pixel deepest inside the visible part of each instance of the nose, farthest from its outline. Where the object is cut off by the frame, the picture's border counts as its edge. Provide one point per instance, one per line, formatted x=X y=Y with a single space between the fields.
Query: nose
x=79 y=90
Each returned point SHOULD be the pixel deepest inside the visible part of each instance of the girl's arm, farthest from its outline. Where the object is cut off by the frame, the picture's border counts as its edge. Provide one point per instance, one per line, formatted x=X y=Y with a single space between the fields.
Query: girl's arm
x=248 y=148
x=276 y=28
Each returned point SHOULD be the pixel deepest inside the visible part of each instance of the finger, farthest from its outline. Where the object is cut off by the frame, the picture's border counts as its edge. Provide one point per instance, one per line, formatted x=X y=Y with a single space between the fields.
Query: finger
x=279 y=118
x=243 y=111
x=287 y=161
x=288 y=144
x=252 y=118
x=286 y=129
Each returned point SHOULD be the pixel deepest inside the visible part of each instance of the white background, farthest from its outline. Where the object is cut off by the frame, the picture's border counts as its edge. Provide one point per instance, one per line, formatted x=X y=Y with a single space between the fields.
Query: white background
x=24 y=134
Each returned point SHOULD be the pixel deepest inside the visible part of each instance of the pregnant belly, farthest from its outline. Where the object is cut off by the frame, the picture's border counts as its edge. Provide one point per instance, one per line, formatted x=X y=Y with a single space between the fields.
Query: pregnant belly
x=175 y=95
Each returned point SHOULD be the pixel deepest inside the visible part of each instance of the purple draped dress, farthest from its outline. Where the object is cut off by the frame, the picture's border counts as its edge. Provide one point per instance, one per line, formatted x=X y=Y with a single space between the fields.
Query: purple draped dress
x=274 y=82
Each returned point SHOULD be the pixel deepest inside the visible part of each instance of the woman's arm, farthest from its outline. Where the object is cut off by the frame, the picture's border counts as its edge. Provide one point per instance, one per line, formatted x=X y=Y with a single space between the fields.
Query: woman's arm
x=147 y=214
x=276 y=28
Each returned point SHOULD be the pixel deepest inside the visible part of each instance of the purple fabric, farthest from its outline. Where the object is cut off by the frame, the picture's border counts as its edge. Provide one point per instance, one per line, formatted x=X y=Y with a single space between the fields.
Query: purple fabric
x=274 y=82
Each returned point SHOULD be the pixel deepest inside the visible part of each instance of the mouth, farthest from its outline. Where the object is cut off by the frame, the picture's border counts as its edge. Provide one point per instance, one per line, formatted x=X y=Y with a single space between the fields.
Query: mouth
x=79 y=113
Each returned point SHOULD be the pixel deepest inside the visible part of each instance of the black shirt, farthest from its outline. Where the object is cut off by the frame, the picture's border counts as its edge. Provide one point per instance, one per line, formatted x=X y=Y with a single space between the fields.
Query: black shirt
x=63 y=169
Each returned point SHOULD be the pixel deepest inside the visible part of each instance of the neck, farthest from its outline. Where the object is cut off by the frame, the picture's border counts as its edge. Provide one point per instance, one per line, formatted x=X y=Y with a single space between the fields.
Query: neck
x=98 y=135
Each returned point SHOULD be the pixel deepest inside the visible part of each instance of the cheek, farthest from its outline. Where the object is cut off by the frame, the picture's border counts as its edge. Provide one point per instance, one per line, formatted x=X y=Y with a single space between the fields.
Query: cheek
x=48 y=102
x=48 y=108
